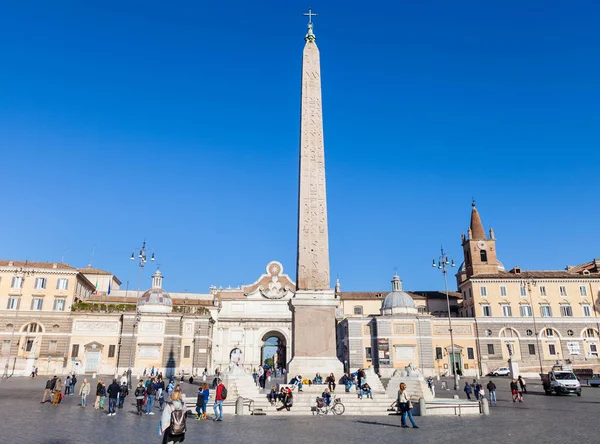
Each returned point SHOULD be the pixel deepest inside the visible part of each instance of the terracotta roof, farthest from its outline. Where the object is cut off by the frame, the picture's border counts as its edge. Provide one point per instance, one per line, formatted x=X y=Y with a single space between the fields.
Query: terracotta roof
x=536 y=274
x=364 y=295
x=592 y=266
x=51 y=265
x=477 y=230
x=90 y=270
x=104 y=299
x=361 y=295
x=435 y=294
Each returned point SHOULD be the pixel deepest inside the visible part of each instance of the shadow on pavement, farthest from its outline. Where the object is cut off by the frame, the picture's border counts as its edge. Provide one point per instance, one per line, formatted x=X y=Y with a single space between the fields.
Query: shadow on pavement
x=378 y=423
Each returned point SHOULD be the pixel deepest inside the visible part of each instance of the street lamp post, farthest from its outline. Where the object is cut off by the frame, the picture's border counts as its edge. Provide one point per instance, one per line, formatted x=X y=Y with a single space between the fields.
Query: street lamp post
x=442 y=262
x=530 y=282
x=142 y=259
x=23 y=272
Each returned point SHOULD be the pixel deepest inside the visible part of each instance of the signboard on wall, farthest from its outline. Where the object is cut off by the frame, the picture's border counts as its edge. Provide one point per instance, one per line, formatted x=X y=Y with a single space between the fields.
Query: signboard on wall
x=383 y=351
x=573 y=348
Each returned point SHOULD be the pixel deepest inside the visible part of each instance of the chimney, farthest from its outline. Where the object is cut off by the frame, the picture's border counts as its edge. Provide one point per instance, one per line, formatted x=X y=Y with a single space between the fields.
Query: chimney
x=54 y=265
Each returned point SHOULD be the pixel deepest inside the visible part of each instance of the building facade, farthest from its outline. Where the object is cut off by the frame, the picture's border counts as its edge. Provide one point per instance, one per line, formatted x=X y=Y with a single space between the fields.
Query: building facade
x=36 y=299
x=532 y=317
x=403 y=332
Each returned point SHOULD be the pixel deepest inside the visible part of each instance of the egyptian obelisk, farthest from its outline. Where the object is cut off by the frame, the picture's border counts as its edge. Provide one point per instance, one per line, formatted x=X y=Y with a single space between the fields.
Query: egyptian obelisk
x=314 y=303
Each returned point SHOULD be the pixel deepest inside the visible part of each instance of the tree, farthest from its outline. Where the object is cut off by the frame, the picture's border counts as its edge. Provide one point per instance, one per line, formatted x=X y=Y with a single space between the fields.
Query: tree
x=269 y=362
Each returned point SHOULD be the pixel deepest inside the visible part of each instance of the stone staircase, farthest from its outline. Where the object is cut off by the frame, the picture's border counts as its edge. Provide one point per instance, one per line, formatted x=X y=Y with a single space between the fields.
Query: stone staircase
x=305 y=400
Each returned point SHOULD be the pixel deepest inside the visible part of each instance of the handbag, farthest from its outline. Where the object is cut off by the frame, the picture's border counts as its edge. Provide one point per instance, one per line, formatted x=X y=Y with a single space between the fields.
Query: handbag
x=409 y=405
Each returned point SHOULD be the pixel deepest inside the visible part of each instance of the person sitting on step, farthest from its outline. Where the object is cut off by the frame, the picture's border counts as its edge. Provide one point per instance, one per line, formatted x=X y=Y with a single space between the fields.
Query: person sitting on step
x=366 y=391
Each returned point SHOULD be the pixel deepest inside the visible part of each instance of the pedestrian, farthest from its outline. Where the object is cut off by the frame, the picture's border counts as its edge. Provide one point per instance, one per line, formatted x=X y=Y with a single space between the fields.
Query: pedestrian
x=145 y=371
x=172 y=422
x=492 y=390
x=514 y=389
x=182 y=375
x=98 y=394
x=151 y=392
x=58 y=386
x=48 y=390
x=73 y=382
x=170 y=388
x=124 y=380
x=431 y=386
x=123 y=393
x=477 y=389
x=522 y=384
x=160 y=392
x=102 y=395
x=68 y=385
x=405 y=407
x=33 y=372
x=220 y=396
x=140 y=393
x=113 y=397
x=468 y=390
x=36 y=371
x=152 y=372
x=84 y=391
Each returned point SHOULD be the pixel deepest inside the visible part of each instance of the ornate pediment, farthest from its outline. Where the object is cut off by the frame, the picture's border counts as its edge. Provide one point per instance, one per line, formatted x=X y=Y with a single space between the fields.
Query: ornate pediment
x=272 y=285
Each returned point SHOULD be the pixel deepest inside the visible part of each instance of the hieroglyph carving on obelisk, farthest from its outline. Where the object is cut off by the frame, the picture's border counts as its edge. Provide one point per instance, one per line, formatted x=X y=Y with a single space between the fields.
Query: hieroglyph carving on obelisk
x=313 y=244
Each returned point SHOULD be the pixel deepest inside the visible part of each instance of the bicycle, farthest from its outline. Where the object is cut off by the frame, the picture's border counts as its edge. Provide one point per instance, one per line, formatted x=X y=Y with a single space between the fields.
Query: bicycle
x=336 y=407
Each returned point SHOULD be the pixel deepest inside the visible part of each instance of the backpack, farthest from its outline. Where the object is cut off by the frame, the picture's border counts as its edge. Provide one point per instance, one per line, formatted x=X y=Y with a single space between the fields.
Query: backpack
x=224 y=393
x=178 y=422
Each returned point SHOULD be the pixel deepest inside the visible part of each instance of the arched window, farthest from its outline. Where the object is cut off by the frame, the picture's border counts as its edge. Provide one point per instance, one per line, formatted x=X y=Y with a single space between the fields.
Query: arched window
x=549 y=333
x=483 y=255
x=32 y=328
x=509 y=333
x=590 y=333
x=358 y=310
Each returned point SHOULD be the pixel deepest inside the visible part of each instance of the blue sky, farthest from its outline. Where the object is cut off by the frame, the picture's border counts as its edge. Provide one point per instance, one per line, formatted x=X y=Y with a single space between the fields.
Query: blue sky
x=179 y=124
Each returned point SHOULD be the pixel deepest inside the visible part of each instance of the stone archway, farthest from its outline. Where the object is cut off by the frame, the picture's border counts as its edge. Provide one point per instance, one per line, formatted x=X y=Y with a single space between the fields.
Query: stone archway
x=274 y=350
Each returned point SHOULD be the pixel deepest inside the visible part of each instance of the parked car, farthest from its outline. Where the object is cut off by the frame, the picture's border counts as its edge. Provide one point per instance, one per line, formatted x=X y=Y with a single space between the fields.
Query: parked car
x=593 y=380
x=502 y=371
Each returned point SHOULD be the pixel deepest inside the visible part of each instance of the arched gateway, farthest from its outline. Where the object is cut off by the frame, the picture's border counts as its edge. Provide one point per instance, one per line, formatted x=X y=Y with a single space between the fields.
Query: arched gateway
x=273 y=350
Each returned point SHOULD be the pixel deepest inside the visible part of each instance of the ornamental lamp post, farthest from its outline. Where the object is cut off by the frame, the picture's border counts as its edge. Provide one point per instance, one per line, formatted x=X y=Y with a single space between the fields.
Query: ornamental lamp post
x=442 y=263
x=141 y=256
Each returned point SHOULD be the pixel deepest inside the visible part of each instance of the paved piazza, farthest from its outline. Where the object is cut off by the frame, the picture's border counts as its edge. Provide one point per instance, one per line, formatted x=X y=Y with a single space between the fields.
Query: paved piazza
x=541 y=419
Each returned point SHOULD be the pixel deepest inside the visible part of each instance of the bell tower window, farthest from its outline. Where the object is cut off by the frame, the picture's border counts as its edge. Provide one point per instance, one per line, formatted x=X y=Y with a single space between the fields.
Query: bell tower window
x=483 y=255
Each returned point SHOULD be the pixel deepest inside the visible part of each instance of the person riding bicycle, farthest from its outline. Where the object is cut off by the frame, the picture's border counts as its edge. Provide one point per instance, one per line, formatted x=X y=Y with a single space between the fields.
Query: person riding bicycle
x=326 y=395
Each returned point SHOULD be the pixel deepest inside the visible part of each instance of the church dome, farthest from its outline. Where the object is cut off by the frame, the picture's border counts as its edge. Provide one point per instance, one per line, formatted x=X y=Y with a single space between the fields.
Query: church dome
x=398 y=301
x=155 y=300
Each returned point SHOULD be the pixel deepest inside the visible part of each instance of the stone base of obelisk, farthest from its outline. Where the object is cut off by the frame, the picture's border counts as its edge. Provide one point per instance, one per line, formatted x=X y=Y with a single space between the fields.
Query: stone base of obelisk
x=314 y=339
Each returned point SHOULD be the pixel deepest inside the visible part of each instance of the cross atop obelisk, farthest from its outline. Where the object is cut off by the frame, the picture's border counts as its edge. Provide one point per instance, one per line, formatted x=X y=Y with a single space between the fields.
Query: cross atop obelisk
x=313 y=245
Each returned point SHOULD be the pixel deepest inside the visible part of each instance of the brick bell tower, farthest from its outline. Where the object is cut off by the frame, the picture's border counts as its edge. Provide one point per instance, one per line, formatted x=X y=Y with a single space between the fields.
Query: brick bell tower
x=479 y=250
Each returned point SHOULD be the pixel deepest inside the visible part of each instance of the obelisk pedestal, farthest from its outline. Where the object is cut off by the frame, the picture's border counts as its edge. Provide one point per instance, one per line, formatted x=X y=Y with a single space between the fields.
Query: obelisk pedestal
x=314 y=303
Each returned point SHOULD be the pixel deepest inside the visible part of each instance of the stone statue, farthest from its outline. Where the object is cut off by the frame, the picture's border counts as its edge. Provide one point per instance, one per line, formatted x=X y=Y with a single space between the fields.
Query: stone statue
x=413 y=371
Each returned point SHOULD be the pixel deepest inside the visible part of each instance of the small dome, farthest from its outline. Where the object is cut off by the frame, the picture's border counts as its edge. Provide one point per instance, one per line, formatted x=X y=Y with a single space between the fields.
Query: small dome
x=155 y=300
x=398 y=301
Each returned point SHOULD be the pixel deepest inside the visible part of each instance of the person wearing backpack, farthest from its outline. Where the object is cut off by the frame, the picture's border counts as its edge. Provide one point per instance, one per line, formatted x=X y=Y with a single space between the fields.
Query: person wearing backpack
x=220 y=396
x=173 y=419
x=140 y=393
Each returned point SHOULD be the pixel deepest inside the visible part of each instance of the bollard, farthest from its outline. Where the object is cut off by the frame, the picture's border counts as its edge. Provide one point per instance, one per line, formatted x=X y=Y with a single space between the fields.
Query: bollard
x=444 y=385
x=485 y=407
x=94 y=375
x=456 y=397
x=423 y=406
x=239 y=406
